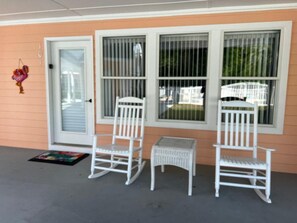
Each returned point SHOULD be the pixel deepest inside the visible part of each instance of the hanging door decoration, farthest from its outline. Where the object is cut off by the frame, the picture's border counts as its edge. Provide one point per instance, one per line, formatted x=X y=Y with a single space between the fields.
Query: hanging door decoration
x=20 y=74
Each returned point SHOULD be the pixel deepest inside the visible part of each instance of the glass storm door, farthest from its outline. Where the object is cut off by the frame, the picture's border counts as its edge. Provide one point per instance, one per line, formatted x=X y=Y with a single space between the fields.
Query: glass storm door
x=72 y=94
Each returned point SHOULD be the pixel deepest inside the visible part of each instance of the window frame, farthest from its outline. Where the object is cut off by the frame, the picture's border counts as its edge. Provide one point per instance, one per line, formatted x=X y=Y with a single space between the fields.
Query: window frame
x=214 y=71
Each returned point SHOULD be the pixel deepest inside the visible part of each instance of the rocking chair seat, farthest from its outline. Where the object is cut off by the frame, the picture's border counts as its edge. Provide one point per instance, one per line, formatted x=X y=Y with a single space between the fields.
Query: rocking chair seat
x=117 y=149
x=242 y=162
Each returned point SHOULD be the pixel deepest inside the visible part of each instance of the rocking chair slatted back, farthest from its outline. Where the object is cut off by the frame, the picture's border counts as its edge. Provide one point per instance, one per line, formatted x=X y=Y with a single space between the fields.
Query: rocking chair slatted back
x=234 y=121
x=130 y=118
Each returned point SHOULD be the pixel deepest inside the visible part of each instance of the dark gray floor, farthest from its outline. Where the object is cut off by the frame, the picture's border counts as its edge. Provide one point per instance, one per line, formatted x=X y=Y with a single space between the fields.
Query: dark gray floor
x=40 y=193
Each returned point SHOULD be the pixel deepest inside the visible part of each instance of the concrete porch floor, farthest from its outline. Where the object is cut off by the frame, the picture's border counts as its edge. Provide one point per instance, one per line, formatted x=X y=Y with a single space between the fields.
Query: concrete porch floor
x=42 y=193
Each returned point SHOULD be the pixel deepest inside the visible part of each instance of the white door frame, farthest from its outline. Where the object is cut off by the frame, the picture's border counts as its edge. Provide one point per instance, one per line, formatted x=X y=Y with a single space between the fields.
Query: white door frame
x=49 y=97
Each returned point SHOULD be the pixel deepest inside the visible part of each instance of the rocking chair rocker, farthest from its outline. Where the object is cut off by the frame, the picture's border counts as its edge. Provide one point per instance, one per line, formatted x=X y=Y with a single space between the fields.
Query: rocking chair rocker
x=234 y=119
x=129 y=127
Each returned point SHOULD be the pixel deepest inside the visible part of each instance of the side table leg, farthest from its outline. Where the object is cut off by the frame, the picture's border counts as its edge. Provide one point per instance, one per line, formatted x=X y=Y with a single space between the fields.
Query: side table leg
x=152 y=176
x=194 y=163
x=190 y=182
x=190 y=174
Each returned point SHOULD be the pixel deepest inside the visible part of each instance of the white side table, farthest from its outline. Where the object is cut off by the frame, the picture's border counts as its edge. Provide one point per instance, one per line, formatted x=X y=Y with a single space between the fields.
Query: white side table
x=180 y=152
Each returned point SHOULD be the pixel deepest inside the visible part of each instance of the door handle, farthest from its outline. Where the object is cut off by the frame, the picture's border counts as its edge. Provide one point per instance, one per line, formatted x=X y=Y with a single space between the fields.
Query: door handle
x=90 y=100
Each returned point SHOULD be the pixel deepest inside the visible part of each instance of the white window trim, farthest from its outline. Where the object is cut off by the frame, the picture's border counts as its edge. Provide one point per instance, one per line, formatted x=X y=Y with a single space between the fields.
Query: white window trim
x=215 y=58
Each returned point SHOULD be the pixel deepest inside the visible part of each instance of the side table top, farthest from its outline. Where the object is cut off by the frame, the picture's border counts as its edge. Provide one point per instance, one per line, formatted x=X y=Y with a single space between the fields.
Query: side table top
x=176 y=142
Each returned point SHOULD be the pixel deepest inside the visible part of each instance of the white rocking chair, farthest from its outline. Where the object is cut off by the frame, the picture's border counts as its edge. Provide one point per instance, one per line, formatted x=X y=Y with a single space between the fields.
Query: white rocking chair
x=129 y=127
x=234 y=125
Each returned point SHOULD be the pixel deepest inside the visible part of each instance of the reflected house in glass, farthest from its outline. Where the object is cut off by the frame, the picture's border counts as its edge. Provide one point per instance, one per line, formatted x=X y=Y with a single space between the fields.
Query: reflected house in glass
x=252 y=92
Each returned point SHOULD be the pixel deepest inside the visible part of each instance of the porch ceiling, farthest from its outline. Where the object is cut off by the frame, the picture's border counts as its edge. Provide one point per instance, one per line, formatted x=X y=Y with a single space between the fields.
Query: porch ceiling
x=41 y=10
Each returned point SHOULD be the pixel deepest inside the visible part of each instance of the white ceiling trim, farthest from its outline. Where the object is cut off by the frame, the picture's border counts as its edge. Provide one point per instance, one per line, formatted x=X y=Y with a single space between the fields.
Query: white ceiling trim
x=150 y=14
x=33 y=12
x=138 y=4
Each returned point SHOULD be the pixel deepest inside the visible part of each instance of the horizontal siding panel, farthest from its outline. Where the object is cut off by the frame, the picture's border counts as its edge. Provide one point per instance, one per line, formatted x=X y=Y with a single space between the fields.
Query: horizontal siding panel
x=23 y=123
x=13 y=92
x=293 y=59
x=292 y=70
x=24 y=144
x=291 y=120
x=26 y=38
x=102 y=129
x=22 y=101
x=23 y=137
x=14 y=47
x=205 y=161
x=291 y=100
x=12 y=55
x=14 y=63
x=291 y=110
x=275 y=140
x=280 y=167
x=23 y=108
x=292 y=80
x=282 y=149
x=292 y=90
x=291 y=130
x=289 y=159
x=23 y=115
x=294 y=50
x=19 y=129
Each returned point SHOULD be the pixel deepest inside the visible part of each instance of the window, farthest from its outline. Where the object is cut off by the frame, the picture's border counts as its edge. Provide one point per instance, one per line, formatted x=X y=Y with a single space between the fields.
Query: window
x=184 y=71
x=182 y=77
x=250 y=70
x=123 y=69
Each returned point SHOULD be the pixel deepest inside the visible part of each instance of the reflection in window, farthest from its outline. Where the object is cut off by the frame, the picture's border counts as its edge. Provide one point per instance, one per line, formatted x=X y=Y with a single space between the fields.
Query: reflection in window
x=72 y=74
x=182 y=77
x=182 y=100
x=250 y=65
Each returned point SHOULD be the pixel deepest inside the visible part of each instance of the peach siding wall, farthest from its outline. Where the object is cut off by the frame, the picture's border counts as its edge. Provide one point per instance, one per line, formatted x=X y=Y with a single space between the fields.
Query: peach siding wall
x=23 y=118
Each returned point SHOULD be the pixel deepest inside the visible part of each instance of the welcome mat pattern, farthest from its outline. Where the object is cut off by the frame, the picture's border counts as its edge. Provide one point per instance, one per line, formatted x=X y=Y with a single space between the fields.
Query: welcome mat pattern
x=60 y=157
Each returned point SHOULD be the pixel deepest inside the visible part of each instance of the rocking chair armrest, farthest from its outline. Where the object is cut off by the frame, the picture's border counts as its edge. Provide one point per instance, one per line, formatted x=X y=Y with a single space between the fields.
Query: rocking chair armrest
x=136 y=138
x=266 y=149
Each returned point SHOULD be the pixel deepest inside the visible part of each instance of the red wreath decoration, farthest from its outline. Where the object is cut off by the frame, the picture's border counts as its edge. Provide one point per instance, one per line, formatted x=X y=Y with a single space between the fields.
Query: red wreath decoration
x=19 y=75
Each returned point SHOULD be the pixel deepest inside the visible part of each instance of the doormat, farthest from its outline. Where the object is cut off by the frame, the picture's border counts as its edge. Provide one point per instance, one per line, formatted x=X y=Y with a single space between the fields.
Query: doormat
x=60 y=157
